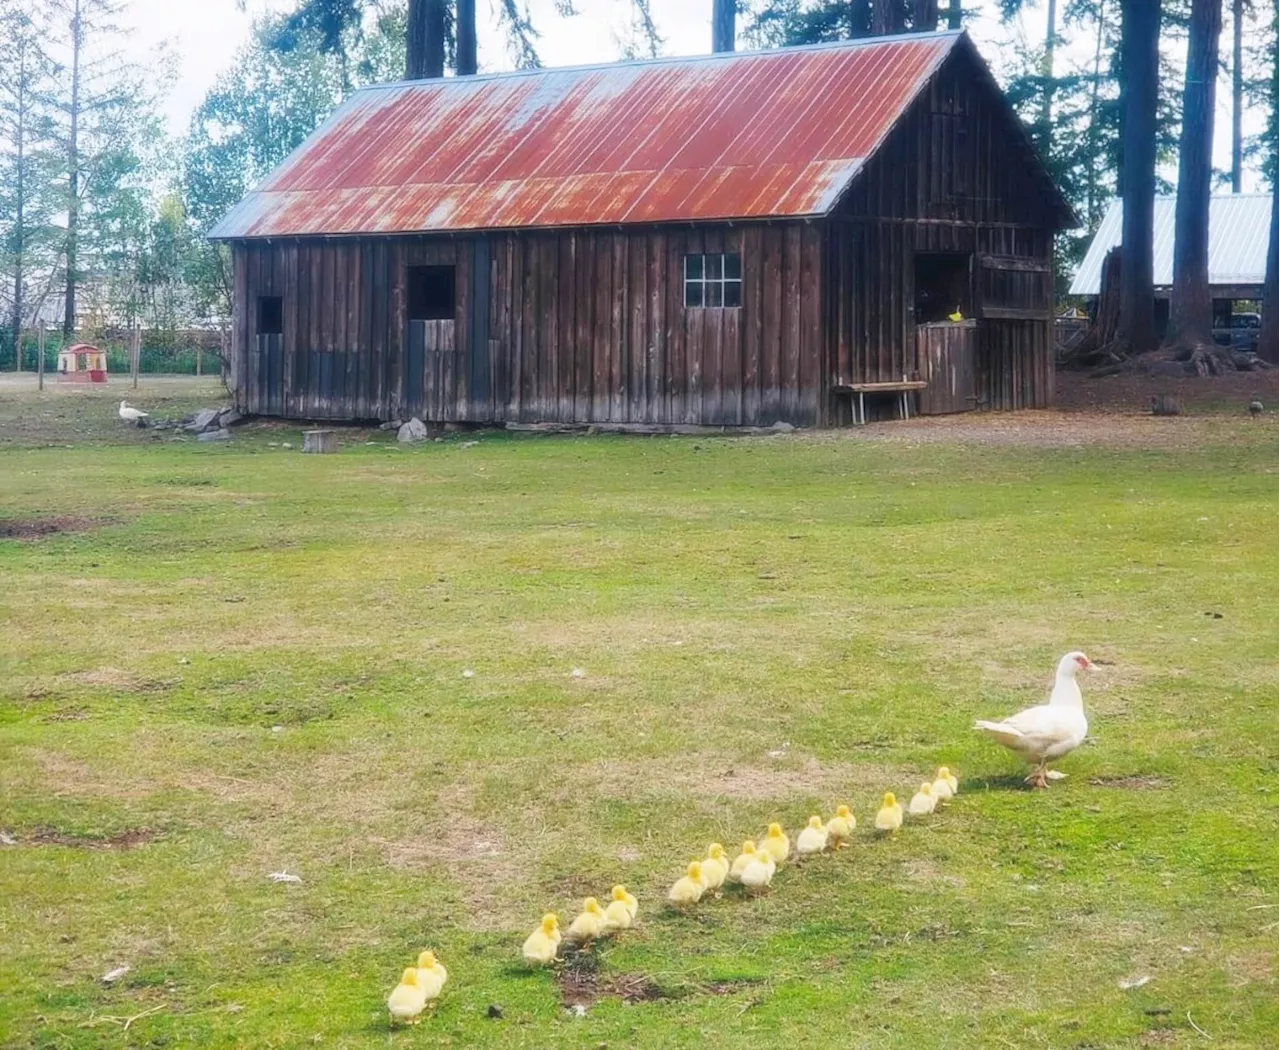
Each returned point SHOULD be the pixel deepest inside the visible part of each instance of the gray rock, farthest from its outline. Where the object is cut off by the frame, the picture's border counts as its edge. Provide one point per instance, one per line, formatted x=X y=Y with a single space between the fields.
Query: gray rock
x=229 y=418
x=204 y=420
x=782 y=427
x=391 y=424
x=214 y=435
x=451 y=428
x=414 y=430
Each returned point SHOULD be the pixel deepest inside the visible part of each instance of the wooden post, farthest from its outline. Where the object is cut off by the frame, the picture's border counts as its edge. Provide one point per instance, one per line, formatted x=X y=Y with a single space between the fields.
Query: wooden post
x=137 y=352
x=40 y=356
x=199 y=355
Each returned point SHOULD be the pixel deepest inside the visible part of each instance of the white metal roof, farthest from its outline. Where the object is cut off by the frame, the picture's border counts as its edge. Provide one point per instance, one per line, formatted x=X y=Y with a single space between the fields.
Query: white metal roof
x=1237 y=241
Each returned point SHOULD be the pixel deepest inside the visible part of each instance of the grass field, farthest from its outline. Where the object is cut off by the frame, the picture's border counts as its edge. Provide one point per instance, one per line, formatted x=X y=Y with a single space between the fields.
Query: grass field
x=244 y=660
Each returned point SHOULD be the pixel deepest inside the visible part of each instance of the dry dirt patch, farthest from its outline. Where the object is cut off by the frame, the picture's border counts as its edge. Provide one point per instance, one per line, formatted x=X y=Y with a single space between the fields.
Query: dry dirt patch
x=121 y=840
x=1132 y=782
x=38 y=528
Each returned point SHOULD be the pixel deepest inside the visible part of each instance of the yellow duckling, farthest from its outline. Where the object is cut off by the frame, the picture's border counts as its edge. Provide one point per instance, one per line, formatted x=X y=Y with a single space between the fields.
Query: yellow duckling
x=840 y=827
x=715 y=867
x=742 y=860
x=890 y=816
x=955 y=315
x=619 y=893
x=758 y=873
x=812 y=838
x=776 y=844
x=689 y=888
x=431 y=975
x=922 y=802
x=540 y=947
x=588 y=925
x=621 y=912
x=408 y=999
x=945 y=785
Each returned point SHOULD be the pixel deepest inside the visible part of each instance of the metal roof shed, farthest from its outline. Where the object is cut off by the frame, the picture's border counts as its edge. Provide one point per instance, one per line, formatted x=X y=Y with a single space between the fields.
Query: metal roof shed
x=1238 y=225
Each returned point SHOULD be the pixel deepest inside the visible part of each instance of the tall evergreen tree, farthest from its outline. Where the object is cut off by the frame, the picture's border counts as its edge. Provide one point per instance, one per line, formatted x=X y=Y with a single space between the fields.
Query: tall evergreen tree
x=724 y=15
x=1140 y=58
x=1190 y=307
x=26 y=200
x=1265 y=91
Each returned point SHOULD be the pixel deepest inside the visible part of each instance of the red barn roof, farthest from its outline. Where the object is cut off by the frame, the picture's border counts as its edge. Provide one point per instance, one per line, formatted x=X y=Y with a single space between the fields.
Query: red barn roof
x=731 y=136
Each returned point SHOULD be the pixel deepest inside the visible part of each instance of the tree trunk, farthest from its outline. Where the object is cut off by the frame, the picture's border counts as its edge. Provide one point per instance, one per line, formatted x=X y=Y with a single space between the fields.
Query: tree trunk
x=1139 y=45
x=955 y=13
x=18 y=236
x=724 y=15
x=886 y=17
x=1190 y=308
x=1091 y=134
x=1237 y=93
x=73 y=178
x=1269 y=336
x=424 y=40
x=924 y=16
x=465 y=29
x=860 y=18
x=1046 y=74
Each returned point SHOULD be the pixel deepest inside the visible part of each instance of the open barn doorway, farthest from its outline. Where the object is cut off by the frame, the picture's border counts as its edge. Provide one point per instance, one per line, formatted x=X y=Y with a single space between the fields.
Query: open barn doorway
x=943 y=285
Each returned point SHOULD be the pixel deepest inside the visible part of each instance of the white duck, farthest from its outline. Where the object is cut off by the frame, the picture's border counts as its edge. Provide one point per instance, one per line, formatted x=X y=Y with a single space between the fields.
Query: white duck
x=1046 y=732
x=131 y=415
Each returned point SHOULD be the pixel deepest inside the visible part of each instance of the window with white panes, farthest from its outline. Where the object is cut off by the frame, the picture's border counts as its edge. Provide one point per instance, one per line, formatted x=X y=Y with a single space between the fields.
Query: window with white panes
x=713 y=279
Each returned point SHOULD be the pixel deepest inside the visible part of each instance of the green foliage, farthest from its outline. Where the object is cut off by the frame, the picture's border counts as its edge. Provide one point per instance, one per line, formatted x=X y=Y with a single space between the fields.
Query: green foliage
x=256 y=114
x=29 y=199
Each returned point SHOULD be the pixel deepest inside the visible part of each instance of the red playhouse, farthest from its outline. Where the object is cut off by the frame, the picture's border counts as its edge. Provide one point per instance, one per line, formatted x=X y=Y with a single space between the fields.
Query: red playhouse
x=82 y=363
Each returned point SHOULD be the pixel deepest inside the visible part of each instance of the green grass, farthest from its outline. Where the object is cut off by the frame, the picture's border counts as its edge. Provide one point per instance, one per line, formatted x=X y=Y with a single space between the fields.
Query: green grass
x=253 y=661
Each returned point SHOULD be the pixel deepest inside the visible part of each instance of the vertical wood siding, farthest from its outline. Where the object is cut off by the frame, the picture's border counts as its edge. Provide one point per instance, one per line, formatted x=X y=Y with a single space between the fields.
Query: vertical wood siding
x=559 y=326
x=952 y=177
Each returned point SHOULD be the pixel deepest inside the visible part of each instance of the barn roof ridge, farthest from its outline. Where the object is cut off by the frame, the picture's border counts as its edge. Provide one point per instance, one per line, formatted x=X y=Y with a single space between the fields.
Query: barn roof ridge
x=659 y=60
x=780 y=133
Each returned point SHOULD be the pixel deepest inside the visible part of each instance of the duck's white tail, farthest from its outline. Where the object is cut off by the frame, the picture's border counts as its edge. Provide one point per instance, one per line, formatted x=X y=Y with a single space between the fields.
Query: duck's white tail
x=1002 y=731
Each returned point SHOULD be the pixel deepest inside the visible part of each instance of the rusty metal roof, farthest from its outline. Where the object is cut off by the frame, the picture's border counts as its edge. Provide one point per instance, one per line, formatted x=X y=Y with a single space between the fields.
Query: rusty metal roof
x=732 y=136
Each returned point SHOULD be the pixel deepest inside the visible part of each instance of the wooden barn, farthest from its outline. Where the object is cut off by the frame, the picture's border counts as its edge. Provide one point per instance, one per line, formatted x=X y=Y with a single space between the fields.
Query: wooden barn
x=735 y=239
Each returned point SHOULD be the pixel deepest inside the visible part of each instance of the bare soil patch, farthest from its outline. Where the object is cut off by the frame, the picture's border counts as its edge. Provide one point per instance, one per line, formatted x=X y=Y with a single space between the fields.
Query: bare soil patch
x=38 y=528
x=121 y=840
x=1133 y=782
x=1075 y=392
x=582 y=983
x=583 y=986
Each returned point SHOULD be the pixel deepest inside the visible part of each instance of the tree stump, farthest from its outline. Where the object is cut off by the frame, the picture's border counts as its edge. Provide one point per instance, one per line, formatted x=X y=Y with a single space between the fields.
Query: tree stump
x=319 y=441
x=1165 y=405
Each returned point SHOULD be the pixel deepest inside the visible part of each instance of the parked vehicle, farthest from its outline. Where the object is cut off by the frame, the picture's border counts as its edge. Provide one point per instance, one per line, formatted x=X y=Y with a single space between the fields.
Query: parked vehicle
x=1241 y=335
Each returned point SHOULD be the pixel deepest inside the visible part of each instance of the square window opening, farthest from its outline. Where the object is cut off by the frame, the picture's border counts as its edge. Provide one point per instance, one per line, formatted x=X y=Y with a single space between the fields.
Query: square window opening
x=713 y=280
x=432 y=293
x=270 y=315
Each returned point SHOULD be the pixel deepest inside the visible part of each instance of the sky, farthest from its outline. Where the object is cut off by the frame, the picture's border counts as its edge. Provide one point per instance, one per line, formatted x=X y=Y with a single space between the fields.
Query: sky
x=204 y=36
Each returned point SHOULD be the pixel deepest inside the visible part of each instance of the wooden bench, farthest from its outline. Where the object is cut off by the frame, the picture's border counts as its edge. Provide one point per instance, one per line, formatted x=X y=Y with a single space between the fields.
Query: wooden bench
x=858 y=391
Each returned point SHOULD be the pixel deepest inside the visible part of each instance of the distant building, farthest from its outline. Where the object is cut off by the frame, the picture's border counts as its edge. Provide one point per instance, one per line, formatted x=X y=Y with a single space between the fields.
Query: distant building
x=1238 y=227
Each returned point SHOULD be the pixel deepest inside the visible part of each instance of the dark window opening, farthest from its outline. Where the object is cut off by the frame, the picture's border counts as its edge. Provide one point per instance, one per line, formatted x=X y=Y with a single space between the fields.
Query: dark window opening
x=432 y=293
x=713 y=280
x=270 y=315
x=942 y=286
